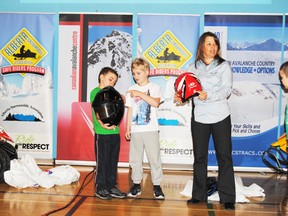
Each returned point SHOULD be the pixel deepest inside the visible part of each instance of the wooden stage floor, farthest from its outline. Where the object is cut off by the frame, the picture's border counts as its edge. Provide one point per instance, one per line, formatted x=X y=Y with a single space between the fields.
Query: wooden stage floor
x=40 y=201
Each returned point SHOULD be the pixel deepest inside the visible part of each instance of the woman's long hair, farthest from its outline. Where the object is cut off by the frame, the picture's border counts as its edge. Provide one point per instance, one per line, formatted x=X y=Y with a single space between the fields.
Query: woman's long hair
x=199 y=54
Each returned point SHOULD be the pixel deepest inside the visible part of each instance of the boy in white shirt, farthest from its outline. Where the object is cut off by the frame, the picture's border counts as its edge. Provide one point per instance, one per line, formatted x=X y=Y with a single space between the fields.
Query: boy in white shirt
x=143 y=100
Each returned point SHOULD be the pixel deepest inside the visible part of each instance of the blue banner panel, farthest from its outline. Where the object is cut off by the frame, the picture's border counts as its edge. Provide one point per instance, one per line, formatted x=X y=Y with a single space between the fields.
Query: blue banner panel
x=252 y=45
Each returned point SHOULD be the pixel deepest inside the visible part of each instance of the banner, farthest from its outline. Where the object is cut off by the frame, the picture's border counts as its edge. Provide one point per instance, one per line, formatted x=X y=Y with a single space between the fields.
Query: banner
x=169 y=42
x=26 y=62
x=286 y=39
x=252 y=46
x=87 y=43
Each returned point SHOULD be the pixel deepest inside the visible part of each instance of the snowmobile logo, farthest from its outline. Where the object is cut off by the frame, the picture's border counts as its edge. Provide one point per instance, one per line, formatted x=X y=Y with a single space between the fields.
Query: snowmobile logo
x=23 y=52
x=167 y=52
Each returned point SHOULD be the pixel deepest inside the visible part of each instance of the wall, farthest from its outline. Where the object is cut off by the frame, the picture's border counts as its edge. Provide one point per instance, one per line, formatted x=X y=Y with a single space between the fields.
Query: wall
x=146 y=6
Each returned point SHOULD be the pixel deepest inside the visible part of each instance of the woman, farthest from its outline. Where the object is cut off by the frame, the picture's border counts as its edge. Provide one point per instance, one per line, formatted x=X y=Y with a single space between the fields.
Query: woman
x=211 y=116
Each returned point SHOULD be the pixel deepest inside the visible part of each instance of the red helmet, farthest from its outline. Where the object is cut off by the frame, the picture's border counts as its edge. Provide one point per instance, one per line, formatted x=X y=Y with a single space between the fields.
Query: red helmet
x=187 y=85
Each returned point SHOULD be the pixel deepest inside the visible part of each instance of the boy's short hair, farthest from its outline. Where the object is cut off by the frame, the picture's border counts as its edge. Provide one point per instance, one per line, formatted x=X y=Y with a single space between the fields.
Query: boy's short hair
x=106 y=70
x=140 y=62
x=284 y=68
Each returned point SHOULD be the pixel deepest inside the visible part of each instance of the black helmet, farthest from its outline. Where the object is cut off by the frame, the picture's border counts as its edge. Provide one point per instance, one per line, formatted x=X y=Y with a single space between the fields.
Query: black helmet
x=109 y=105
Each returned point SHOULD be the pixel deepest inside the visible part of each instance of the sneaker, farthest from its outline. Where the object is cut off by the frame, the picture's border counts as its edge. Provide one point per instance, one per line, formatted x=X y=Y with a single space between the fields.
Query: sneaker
x=116 y=193
x=103 y=194
x=135 y=191
x=158 y=193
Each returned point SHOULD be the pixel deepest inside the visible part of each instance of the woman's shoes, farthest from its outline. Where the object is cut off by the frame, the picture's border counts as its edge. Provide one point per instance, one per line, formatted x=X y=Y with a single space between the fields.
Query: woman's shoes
x=229 y=206
x=193 y=201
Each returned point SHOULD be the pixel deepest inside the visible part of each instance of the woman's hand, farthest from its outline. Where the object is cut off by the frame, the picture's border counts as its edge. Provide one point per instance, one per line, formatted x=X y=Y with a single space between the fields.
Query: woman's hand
x=202 y=95
x=177 y=98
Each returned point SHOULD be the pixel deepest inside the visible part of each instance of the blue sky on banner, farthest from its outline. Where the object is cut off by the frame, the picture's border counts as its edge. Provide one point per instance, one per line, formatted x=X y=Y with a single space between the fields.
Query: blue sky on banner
x=240 y=26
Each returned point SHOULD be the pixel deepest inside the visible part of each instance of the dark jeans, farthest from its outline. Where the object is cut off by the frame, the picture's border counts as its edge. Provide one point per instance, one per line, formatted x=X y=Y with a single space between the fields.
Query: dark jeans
x=107 y=148
x=221 y=134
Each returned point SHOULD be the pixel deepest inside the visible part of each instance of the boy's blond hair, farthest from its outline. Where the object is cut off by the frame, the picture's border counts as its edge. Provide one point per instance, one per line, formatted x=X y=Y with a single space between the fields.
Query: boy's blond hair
x=140 y=62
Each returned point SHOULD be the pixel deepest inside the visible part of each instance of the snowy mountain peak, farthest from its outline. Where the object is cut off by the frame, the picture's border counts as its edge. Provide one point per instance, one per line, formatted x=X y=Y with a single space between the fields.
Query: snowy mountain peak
x=267 y=45
x=115 y=48
x=114 y=33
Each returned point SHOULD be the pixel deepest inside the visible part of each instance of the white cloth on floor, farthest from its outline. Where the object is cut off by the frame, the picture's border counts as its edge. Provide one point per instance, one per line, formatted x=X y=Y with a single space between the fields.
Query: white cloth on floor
x=242 y=192
x=25 y=172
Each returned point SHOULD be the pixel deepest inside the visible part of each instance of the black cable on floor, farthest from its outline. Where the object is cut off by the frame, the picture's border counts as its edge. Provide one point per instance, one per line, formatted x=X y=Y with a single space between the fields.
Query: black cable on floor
x=75 y=196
